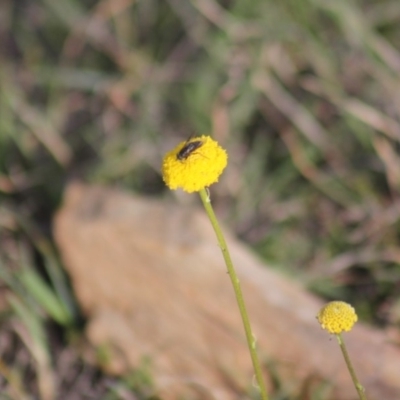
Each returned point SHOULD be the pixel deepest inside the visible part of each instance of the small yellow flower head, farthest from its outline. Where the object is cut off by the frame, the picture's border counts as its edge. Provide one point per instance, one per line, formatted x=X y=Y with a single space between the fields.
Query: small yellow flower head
x=194 y=164
x=337 y=316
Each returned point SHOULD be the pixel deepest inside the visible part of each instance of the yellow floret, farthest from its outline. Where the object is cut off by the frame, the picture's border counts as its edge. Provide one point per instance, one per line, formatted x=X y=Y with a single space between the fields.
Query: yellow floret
x=201 y=168
x=337 y=316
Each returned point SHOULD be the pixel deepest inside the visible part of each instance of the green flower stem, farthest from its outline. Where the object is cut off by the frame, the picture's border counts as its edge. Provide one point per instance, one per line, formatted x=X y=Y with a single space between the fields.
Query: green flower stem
x=238 y=292
x=360 y=389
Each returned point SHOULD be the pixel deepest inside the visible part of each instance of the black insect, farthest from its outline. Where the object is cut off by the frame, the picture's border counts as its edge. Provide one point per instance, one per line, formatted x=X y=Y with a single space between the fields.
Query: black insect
x=188 y=149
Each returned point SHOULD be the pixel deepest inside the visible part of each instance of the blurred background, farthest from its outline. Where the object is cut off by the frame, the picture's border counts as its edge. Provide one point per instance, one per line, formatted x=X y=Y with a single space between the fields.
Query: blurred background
x=304 y=95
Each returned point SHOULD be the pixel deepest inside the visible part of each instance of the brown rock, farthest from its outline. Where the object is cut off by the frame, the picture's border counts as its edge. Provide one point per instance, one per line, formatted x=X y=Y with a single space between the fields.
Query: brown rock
x=151 y=279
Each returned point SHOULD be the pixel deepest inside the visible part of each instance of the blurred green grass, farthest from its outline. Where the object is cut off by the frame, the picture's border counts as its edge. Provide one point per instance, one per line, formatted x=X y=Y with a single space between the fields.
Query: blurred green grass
x=304 y=95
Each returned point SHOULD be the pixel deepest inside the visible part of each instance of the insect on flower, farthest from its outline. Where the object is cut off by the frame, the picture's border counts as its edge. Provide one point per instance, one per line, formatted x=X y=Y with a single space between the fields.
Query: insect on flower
x=188 y=149
x=194 y=164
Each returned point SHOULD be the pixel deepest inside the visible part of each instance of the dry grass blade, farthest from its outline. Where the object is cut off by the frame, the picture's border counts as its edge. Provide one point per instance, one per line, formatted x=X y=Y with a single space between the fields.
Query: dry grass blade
x=371 y=116
x=328 y=185
x=391 y=159
x=363 y=256
x=32 y=334
x=38 y=124
x=16 y=387
x=297 y=114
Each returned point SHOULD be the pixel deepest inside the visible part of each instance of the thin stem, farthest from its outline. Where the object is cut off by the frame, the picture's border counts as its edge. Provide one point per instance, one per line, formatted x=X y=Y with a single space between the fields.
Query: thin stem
x=360 y=389
x=251 y=343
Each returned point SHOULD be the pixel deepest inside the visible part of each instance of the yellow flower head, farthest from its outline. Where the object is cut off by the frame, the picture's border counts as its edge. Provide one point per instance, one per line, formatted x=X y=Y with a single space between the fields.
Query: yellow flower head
x=194 y=164
x=337 y=316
